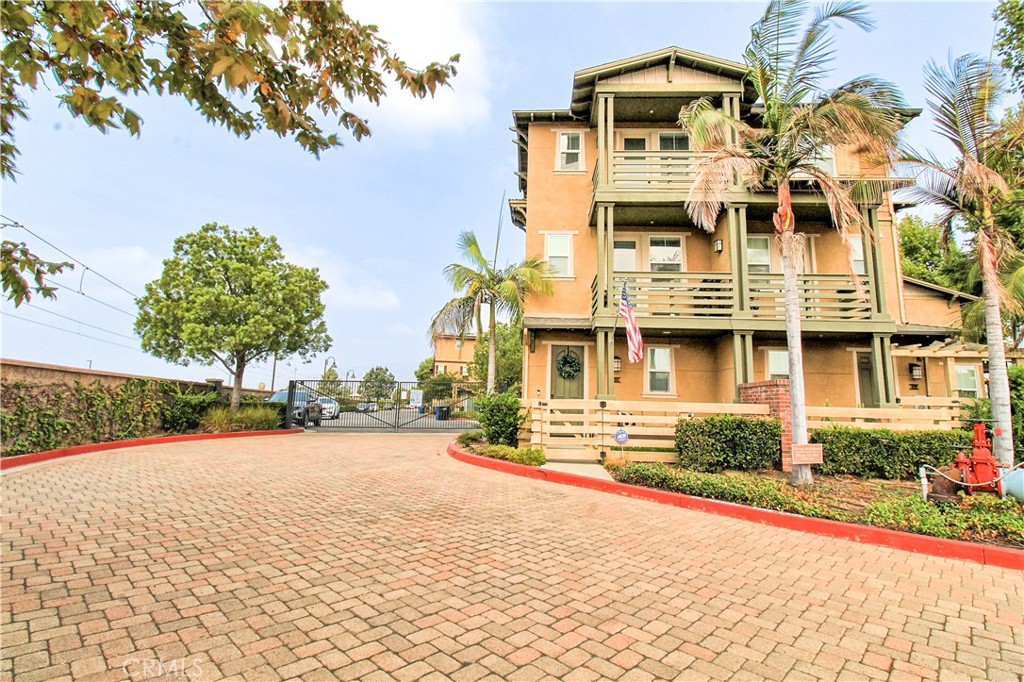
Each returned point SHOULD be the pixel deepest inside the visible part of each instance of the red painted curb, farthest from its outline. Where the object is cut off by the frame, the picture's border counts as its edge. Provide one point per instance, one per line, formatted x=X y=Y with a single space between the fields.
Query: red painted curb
x=989 y=555
x=47 y=455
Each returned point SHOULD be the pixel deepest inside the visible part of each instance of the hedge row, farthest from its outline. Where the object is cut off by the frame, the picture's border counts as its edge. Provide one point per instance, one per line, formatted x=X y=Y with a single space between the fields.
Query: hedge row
x=529 y=456
x=713 y=444
x=881 y=453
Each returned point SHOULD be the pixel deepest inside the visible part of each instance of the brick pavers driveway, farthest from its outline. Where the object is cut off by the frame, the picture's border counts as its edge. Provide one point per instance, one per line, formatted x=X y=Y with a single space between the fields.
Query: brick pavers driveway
x=366 y=556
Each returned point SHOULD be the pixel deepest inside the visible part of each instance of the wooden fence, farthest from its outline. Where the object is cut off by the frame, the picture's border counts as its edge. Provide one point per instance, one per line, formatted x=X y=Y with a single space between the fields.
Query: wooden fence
x=580 y=430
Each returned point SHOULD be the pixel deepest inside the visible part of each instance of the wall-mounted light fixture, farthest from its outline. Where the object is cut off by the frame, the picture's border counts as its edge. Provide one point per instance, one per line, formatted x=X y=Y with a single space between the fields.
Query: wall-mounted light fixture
x=618 y=364
x=916 y=371
x=719 y=246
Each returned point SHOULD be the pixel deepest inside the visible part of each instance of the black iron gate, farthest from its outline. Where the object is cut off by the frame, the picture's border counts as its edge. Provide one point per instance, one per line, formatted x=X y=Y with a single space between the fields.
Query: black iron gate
x=383 y=405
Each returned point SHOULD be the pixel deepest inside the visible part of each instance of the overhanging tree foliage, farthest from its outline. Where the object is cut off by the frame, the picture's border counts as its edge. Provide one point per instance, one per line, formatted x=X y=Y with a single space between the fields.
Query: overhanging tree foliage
x=242 y=64
x=228 y=296
x=1010 y=39
x=508 y=355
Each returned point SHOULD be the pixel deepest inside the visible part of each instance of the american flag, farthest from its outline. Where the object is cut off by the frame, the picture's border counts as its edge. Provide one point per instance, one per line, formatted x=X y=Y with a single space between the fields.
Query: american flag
x=633 y=338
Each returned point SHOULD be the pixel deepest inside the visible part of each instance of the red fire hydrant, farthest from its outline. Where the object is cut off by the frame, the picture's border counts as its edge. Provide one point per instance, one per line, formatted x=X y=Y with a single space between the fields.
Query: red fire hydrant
x=982 y=469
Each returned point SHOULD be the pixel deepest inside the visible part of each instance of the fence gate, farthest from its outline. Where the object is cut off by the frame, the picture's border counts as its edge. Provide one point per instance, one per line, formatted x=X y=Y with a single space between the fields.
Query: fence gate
x=383 y=405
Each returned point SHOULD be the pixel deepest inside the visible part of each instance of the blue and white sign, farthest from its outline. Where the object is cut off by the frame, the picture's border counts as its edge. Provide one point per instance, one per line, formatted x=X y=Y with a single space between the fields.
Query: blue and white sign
x=621 y=436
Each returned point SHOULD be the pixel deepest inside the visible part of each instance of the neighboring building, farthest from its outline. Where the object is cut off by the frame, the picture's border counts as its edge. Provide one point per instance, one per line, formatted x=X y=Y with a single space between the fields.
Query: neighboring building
x=453 y=355
x=604 y=184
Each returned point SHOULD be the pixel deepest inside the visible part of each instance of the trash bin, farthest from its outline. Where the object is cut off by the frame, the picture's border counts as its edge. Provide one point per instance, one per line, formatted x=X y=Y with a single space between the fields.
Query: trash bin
x=442 y=412
x=423 y=409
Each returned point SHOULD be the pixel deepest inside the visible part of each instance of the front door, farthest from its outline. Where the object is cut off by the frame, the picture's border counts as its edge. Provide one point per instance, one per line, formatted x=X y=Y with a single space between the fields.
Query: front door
x=567 y=372
x=866 y=380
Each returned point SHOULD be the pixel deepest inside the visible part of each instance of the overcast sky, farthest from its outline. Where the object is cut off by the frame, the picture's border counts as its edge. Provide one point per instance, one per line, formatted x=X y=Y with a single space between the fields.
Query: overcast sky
x=379 y=217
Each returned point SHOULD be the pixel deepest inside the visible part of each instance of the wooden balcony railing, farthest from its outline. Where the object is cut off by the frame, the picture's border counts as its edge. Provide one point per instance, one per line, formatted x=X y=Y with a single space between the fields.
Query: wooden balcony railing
x=673 y=294
x=826 y=297
x=644 y=171
x=822 y=297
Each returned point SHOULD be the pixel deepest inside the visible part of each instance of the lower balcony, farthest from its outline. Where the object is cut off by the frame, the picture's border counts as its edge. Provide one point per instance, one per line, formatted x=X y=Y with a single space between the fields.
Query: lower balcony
x=717 y=301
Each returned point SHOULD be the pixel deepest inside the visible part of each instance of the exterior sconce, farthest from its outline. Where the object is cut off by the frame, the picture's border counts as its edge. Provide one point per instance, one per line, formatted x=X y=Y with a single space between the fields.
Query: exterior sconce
x=618 y=364
x=916 y=371
x=719 y=247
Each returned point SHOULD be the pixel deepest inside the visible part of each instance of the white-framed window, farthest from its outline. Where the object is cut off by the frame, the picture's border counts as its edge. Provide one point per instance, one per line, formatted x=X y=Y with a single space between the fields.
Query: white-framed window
x=673 y=142
x=458 y=344
x=634 y=144
x=570 y=152
x=860 y=265
x=558 y=253
x=625 y=256
x=465 y=370
x=659 y=369
x=759 y=255
x=967 y=381
x=665 y=254
x=441 y=369
x=825 y=159
x=777 y=364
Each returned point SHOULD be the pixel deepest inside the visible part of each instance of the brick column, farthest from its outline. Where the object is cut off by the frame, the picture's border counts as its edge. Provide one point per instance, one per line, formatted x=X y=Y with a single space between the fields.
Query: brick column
x=774 y=394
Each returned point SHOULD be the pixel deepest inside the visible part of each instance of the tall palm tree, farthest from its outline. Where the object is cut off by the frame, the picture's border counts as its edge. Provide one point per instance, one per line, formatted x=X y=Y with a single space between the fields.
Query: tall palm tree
x=969 y=189
x=481 y=283
x=787 y=134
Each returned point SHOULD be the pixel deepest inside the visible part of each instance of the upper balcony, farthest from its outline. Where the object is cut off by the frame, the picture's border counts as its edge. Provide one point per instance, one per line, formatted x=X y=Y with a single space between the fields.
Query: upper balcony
x=720 y=300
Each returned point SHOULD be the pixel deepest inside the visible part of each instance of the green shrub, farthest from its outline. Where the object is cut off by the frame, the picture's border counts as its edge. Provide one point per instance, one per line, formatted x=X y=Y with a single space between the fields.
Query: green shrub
x=881 y=453
x=975 y=517
x=216 y=420
x=528 y=456
x=500 y=418
x=711 y=444
x=748 y=489
x=185 y=410
x=257 y=419
x=280 y=406
x=469 y=437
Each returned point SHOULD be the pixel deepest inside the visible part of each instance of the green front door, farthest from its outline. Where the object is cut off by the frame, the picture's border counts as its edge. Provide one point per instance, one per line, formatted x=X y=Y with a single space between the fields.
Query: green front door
x=564 y=382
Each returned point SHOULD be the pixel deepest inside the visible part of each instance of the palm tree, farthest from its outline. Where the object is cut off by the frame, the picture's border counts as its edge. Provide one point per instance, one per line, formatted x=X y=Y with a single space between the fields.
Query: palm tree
x=787 y=135
x=481 y=283
x=969 y=189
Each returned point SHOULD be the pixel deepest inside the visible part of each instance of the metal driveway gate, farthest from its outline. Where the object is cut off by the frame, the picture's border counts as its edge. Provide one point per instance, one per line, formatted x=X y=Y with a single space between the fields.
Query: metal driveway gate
x=384 y=405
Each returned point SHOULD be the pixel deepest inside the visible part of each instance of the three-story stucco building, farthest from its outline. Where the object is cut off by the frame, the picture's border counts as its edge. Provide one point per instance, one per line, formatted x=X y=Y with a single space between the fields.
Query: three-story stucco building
x=604 y=185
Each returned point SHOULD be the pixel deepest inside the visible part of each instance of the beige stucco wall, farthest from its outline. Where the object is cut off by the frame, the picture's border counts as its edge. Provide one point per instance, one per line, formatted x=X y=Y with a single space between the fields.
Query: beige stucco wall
x=452 y=354
x=927 y=306
x=829 y=369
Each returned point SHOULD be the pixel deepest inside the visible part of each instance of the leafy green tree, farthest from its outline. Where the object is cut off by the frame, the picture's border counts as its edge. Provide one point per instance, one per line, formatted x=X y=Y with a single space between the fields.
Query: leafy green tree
x=1010 y=39
x=242 y=64
x=425 y=370
x=481 y=283
x=508 y=355
x=229 y=296
x=788 y=62
x=928 y=256
x=15 y=261
x=330 y=382
x=438 y=387
x=969 y=189
x=378 y=384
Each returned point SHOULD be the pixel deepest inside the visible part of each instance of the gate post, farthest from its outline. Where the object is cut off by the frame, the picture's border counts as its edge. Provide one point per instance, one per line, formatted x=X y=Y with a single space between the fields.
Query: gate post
x=288 y=407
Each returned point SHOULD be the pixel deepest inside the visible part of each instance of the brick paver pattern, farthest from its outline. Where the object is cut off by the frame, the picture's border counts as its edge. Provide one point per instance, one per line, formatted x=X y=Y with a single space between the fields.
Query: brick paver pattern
x=343 y=556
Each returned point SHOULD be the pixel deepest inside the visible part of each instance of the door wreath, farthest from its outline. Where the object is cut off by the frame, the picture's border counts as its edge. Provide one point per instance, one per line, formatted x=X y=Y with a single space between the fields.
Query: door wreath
x=568 y=365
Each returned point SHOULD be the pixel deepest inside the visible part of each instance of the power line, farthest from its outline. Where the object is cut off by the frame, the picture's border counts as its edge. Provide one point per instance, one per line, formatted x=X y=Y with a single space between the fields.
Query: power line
x=69 y=331
x=15 y=223
x=71 y=319
x=91 y=298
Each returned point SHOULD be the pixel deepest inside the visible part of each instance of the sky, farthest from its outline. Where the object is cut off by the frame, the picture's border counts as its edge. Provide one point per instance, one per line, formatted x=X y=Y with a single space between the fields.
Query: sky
x=379 y=217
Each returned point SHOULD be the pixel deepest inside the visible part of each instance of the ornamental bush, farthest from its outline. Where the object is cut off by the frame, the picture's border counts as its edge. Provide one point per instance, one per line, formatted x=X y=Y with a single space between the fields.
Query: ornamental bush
x=711 y=444
x=882 y=453
x=528 y=456
x=500 y=418
x=975 y=517
x=183 y=411
x=748 y=489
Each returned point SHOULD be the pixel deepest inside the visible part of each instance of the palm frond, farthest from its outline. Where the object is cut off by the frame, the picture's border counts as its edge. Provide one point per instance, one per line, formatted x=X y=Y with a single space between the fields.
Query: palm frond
x=961 y=98
x=814 y=55
x=470 y=247
x=455 y=316
x=710 y=189
x=707 y=126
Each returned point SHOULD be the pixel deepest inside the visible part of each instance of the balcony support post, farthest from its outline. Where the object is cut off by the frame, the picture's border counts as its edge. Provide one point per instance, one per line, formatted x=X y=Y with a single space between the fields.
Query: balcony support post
x=609 y=251
x=873 y=260
x=888 y=375
x=737 y=222
x=742 y=360
x=609 y=140
x=602 y=261
x=610 y=369
x=602 y=366
x=604 y=135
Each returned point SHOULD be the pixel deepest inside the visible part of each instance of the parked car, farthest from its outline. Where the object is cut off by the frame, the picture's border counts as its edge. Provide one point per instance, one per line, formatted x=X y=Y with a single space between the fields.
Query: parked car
x=366 y=407
x=329 y=407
